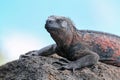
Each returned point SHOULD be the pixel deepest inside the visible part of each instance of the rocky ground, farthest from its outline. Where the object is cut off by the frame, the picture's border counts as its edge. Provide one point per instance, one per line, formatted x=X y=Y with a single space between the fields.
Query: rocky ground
x=42 y=68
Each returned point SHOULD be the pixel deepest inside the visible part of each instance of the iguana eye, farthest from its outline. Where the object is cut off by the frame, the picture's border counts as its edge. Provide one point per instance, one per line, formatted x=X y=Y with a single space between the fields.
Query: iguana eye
x=58 y=20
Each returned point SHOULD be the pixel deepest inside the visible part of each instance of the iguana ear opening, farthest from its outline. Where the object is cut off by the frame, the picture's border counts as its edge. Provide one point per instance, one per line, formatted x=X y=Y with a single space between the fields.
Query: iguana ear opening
x=71 y=24
x=64 y=24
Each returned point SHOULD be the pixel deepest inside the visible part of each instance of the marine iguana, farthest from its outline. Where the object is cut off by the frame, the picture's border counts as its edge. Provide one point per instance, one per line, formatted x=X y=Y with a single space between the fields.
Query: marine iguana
x=81 y=47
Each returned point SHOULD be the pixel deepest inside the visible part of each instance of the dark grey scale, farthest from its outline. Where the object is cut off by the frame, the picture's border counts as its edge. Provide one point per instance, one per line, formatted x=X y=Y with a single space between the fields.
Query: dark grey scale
x=118 y=59
x=96 y=48
x=108 y=53
x=73 y=51
x=60 y=52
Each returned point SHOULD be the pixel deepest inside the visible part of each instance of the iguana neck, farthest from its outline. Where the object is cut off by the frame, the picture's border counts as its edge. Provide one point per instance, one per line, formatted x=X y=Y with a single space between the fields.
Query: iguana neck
x=65 y=40
x=62 y=39
x=77 y=37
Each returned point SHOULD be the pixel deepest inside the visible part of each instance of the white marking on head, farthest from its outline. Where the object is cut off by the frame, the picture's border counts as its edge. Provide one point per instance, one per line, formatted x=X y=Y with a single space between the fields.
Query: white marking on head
x=51 y=18
x=64 y=24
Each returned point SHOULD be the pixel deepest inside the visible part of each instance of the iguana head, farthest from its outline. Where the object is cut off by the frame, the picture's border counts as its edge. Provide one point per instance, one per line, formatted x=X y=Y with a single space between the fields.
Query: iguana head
x=60 y=28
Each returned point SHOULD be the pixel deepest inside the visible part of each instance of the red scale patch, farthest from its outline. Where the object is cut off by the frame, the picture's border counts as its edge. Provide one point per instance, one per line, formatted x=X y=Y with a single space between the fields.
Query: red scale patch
x=107 y=42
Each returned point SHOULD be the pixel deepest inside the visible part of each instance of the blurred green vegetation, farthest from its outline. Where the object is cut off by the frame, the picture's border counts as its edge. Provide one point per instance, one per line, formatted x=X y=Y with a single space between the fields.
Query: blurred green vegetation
x=1 y=59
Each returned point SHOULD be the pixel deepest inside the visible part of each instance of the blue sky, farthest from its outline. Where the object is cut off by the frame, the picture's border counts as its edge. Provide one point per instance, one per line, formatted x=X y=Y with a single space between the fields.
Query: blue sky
x=22 y=21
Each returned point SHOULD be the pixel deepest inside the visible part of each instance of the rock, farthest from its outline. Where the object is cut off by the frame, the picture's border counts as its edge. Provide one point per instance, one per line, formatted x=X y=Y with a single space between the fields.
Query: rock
x=42 y=68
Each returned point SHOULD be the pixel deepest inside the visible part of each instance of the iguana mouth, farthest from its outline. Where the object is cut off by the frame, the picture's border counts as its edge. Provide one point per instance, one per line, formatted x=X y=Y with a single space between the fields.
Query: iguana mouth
x=51 y=25
x=50 y=28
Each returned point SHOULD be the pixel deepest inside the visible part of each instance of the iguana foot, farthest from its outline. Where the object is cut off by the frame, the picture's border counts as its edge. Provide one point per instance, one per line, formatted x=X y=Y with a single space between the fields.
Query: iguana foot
x=69 y=65
x=28 y=54
x=64 y=60
x=61 y=62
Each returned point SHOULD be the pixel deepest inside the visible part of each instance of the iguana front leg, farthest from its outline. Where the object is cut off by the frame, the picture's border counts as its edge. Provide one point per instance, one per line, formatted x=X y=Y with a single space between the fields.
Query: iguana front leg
x=89 y=59
x=46 y=51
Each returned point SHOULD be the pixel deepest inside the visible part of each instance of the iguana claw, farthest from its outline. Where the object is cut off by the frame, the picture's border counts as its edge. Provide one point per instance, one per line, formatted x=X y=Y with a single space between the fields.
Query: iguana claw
x=28 y=54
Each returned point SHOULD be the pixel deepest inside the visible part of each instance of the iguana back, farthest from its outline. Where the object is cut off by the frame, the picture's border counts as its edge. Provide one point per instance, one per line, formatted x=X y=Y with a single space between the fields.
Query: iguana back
x=106 y=45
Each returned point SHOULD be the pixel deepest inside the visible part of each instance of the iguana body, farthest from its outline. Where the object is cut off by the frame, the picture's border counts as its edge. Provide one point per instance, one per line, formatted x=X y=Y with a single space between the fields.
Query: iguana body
x=106 y=45
x=81 y=47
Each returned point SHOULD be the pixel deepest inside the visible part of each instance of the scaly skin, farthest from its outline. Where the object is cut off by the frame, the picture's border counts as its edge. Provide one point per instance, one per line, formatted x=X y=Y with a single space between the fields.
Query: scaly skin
x=106 y=45
x=81 y=47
